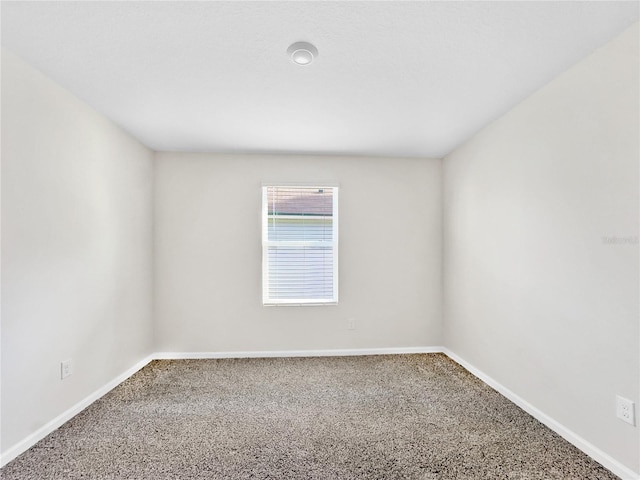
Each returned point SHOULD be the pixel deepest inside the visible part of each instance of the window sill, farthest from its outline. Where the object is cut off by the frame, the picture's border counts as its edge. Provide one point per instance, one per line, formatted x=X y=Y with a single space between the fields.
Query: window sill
x=299 y=304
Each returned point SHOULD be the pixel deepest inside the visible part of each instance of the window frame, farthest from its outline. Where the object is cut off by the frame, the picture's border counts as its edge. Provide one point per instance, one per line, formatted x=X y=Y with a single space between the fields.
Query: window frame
x=266 y=243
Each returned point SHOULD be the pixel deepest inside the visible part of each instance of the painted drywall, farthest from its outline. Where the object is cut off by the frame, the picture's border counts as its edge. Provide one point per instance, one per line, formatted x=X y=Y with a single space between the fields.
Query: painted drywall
x=392 y=78
x=541 y=248
x=76 y=250
x=208 y=254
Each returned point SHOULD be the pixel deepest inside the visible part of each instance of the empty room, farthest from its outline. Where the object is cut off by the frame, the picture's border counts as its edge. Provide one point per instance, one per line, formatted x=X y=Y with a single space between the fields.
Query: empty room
x=324 y=240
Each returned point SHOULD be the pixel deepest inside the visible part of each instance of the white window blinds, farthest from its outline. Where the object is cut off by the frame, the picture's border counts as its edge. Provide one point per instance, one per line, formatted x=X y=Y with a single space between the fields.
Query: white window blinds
x=299 y=245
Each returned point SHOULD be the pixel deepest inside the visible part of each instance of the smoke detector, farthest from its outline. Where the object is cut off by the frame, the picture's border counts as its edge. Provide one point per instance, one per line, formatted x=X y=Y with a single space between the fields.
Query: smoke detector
x=302 y=53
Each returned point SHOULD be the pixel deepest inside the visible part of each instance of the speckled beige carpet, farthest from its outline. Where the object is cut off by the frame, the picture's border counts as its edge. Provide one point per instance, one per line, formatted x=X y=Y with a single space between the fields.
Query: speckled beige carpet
x=417 y=417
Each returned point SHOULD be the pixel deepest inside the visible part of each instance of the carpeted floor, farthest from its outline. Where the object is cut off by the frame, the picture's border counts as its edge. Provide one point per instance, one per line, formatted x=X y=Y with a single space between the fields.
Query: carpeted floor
x=385 y=417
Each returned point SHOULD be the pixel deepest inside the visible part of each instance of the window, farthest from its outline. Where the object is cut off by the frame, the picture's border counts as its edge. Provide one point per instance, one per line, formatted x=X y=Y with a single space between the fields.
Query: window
x=299 y=245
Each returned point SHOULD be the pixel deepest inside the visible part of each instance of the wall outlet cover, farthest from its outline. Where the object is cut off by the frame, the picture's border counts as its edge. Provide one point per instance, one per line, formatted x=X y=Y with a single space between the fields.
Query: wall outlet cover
x=66 y=369
x=625 y=410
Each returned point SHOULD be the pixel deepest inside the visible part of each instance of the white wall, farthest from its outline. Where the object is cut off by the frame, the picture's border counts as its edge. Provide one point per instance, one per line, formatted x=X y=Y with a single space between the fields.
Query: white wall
x=76 y=250
x=533 y=295
x=208 y=254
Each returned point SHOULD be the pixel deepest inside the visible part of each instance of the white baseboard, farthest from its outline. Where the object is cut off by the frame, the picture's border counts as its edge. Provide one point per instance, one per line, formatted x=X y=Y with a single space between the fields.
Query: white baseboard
x=296 y=353
x=45 y=430
x=594 y=452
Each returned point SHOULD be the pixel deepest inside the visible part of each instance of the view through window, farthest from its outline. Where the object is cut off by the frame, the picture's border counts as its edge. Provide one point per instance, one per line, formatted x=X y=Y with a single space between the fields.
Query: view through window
x=300 y=245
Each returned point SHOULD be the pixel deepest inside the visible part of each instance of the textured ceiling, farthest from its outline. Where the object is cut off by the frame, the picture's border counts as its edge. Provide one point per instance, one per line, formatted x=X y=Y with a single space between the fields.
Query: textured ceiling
x=392 y=78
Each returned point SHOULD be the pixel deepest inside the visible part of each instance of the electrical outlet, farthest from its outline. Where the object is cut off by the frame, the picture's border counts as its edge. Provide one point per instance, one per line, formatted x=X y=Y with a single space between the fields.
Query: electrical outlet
x=66 y=369
x=625 y=410
x=351 y=324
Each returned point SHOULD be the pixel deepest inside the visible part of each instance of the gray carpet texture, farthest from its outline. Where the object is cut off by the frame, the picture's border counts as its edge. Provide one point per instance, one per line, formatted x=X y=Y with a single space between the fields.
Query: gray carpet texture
x=380 y=417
